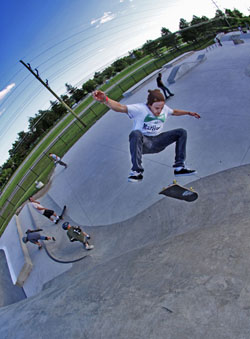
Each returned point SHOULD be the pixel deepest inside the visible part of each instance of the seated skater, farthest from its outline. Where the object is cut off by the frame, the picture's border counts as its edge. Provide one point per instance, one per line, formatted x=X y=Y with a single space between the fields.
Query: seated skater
x=146 y=138
x=50 y=214
x=75 y=233
x=34 y=237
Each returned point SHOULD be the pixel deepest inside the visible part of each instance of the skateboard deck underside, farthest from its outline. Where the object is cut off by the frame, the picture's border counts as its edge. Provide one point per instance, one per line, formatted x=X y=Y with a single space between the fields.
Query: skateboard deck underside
x=61 y=215
x=179 y=192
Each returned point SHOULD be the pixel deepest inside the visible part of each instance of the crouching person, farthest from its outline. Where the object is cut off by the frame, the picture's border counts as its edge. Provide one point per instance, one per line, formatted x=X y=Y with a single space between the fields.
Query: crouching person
x=33 y=236
x=75 y=233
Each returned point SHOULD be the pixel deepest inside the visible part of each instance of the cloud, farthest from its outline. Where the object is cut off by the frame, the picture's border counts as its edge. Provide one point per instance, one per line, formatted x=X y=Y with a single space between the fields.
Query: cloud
x=107 y=16
x=6 y=90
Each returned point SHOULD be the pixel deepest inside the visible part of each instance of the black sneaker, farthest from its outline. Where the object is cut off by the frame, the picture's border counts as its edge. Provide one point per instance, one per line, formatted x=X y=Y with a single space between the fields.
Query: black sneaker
x=135 y=176
x=171 y=94
x=184 y=171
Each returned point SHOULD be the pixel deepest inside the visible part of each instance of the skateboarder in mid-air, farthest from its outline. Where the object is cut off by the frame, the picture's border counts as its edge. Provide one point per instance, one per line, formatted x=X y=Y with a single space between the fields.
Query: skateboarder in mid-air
x=33 y=236
x=75 y=233
x=146 y=138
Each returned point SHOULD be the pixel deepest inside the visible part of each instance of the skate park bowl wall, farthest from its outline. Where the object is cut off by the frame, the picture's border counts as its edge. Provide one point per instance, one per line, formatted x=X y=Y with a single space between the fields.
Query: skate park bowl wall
x=174 y=263
x=16 y=254
x=234 y=35
x=9 y=293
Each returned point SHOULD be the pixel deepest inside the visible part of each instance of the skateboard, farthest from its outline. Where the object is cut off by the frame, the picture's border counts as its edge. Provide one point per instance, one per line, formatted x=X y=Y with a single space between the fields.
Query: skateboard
x=61 y=215
x=179 y=192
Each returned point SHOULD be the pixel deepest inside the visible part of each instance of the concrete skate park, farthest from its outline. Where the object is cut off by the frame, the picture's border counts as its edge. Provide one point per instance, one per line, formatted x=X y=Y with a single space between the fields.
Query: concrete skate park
x=161 y=268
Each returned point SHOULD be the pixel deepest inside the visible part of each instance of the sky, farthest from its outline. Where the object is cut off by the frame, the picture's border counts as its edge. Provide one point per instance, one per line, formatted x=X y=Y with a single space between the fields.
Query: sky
x=69 y=40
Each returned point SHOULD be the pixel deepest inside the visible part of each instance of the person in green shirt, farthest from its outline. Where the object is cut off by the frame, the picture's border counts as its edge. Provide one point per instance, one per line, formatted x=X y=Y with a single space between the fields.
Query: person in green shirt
x=75 y=233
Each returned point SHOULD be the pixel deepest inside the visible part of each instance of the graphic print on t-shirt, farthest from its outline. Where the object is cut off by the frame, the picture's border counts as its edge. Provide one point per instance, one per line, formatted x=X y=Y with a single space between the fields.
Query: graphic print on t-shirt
x=153 y=123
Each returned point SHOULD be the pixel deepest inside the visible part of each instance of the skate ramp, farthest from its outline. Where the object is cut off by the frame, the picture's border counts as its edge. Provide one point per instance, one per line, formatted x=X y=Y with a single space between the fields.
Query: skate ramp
x=9 y=293
x=220 y=195
x=176 y=270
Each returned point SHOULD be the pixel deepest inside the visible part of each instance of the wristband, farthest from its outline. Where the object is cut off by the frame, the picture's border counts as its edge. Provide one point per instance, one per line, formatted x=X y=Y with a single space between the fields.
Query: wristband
x=106 y=99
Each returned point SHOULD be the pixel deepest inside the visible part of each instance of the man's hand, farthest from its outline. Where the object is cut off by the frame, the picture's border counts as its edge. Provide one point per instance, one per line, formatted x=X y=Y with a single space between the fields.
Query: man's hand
x=114 y=105
x=194 y=114
x=99 y=96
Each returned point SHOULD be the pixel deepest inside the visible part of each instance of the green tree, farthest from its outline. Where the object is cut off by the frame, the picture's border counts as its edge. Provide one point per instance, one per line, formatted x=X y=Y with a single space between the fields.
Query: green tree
x=183 y=24
x=219 y=13
x=6 y=174
x=57 y=109
x=169 y=39
x=201 y=25
x=138 y=54
x=68 y=100
x=187 y=33
x=99 y=78
x=108 y=72
x=89 y=86
x=119 y=65
x=70 y=89
x=78 y=95
x=152 y=47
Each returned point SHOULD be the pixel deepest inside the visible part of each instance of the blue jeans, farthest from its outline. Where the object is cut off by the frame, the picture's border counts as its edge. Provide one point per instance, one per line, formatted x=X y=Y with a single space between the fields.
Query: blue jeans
x=42 y=237
x=141 y=144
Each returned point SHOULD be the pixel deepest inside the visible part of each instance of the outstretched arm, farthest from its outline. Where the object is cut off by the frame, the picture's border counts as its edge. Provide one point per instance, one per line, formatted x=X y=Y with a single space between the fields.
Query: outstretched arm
x=114 y=105
x=179 y=112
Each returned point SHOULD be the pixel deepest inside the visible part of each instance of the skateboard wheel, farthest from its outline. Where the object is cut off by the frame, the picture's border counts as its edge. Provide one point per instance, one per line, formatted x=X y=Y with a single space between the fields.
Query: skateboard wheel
x=174 y=181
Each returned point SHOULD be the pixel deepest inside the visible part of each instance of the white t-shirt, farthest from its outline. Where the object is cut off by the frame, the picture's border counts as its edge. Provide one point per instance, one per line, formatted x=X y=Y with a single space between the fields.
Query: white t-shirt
x=35 y=205
x=55 y=157
x=145 y=121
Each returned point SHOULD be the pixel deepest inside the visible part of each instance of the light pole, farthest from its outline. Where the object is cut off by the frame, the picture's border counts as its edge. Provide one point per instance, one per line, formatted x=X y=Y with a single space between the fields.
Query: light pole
x=222 y=12
x=45 y=84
